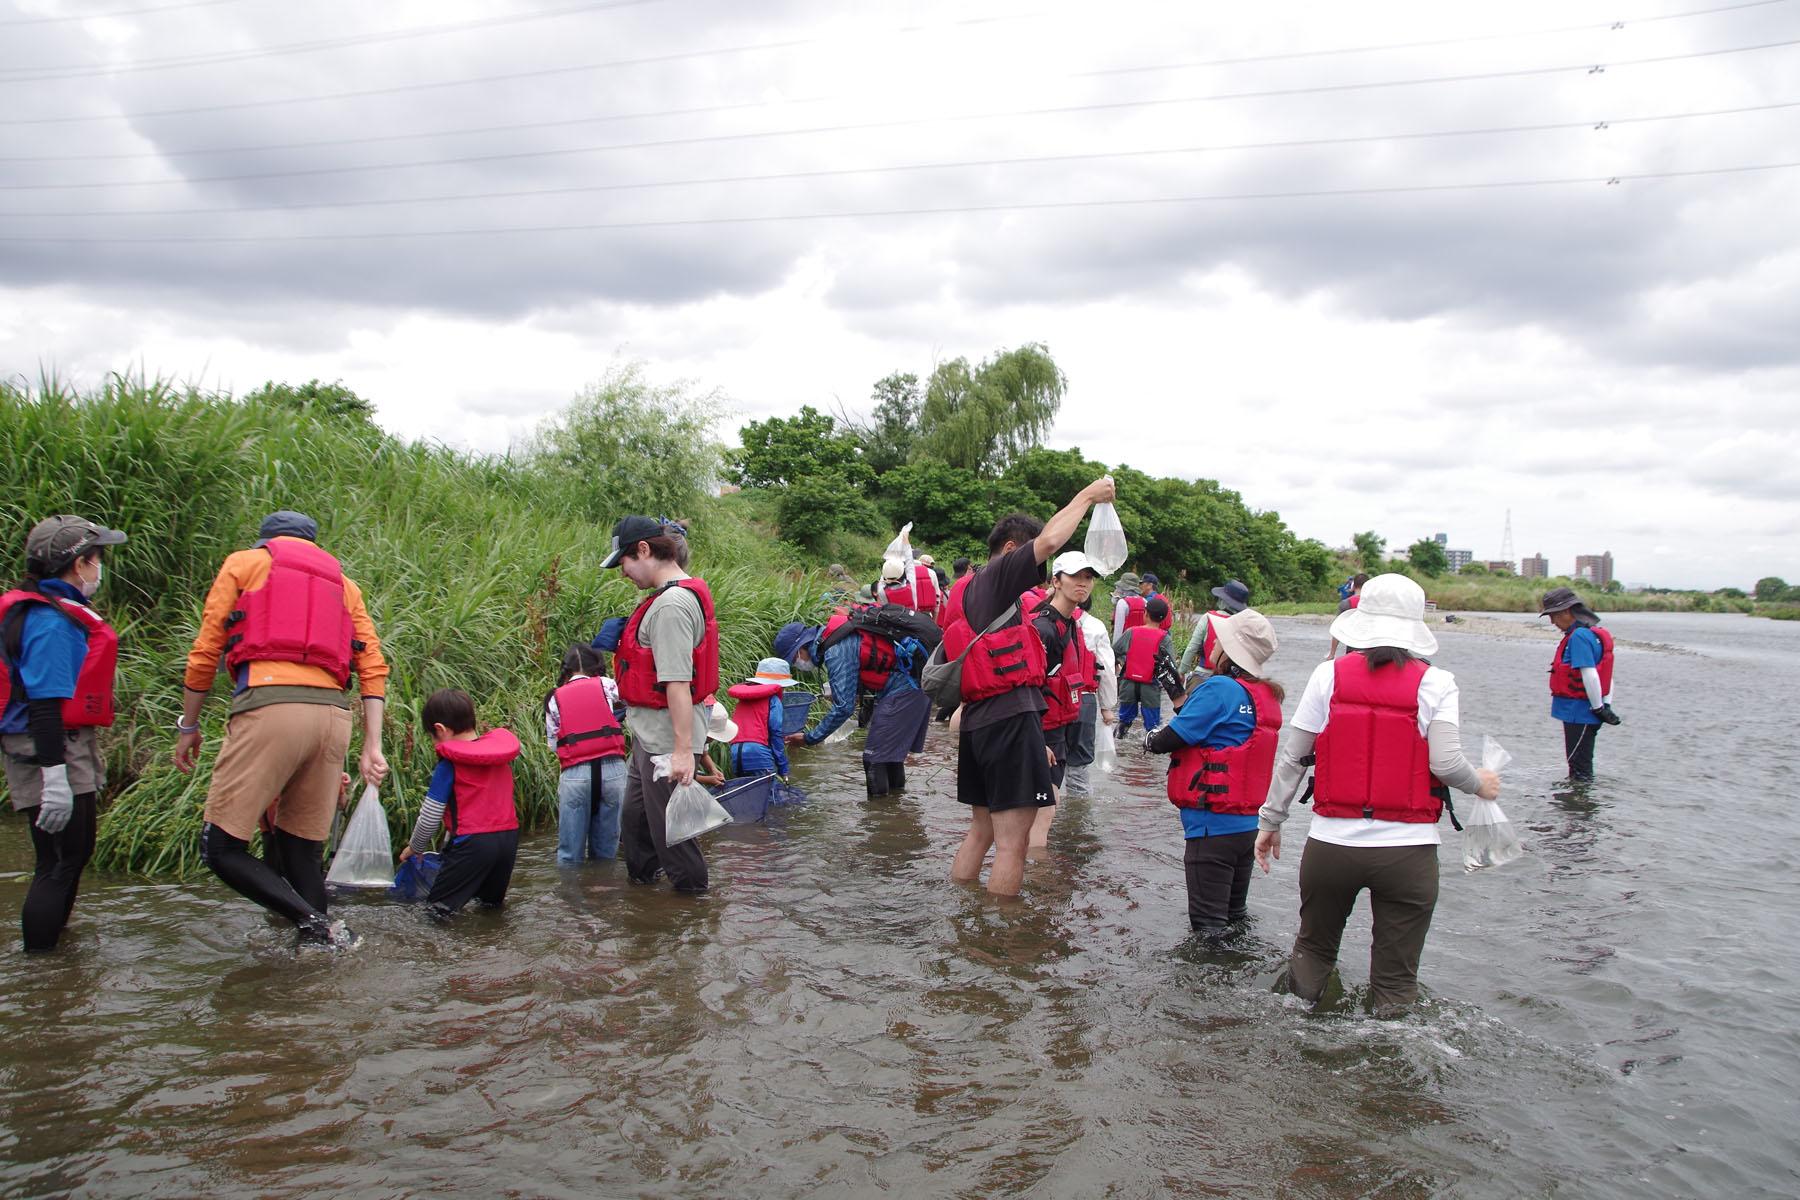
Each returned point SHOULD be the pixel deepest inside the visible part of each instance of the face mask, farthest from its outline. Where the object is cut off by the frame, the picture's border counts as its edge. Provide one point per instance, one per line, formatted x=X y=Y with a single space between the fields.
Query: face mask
x=88 y=589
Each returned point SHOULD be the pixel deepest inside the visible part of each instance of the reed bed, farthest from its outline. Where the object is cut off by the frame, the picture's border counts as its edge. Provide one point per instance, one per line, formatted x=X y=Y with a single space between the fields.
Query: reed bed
x=478 y=572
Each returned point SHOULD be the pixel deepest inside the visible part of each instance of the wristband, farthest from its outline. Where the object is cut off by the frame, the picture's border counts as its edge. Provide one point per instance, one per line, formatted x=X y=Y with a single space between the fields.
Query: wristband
x=180 y=728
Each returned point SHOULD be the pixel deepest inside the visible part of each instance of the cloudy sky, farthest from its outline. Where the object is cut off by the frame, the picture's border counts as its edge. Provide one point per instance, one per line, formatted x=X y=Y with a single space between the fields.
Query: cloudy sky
x=1400 y=266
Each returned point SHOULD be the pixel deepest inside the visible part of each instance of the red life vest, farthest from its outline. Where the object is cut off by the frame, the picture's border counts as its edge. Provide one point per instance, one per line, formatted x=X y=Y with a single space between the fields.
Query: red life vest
x=586 y=728
x=1134 y=611
x=751 y=716
x=483 y=800
x=957 y=636
x=877 y=658
x=1079 y=673
x=921 y=594
x=1032 y=598
x=297 y=615
x=1007 y=658
x=1230 y=779
x=1372 y=761
x=92 y=703
x=634 y=666
x=1140 y=653
x=953 y=606
x=1210 y=639
x=1565 y=681
x=1355 y=599
x=1168 y=621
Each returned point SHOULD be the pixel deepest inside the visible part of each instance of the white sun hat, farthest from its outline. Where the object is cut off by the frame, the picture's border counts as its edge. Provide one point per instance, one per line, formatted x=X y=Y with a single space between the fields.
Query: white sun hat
x=1390 y=613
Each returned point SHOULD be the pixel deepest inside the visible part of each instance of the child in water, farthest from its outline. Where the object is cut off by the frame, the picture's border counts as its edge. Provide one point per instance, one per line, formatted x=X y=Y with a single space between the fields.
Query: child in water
x=757 y=748
x=471 y=797
x=582 y=719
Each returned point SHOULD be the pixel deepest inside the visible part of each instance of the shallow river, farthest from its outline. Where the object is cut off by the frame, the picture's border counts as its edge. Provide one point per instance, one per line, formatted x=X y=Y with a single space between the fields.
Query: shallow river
x=1613 y=1015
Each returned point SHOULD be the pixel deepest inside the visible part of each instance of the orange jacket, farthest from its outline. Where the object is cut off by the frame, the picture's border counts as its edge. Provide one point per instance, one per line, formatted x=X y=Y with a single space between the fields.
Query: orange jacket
x=245 y=571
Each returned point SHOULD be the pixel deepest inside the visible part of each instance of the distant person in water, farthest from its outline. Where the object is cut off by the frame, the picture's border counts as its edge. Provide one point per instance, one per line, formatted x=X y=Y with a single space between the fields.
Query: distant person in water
x=1581 y=673
x=1346 y=604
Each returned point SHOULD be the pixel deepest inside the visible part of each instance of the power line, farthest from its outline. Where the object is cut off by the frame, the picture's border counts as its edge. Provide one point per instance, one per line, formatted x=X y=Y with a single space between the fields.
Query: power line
x=861 y=127
x=1435 y=42
x=44 y=74
x=15 y=22
x=944 y=210
x=960 y=164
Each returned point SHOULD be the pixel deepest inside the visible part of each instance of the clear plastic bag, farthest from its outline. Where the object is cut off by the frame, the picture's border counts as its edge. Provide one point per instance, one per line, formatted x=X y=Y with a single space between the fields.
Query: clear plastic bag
x=1488 y=837
x=899 y=550
x=365 y=857
x=1106 y=750
x=693 y=811
x=1105 y=545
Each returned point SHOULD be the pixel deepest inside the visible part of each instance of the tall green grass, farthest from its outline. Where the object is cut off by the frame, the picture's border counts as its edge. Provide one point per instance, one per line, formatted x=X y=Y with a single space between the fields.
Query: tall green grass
x=477 y=570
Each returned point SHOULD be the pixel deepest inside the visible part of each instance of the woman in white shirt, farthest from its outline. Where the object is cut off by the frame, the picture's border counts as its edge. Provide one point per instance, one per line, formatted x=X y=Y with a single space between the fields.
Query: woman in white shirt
x=1382 y=724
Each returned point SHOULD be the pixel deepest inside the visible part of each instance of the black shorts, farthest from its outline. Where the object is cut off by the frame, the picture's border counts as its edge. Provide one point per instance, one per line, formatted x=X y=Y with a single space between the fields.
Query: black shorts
x=1003 y=766
x=1058 y=741
x=476 y=867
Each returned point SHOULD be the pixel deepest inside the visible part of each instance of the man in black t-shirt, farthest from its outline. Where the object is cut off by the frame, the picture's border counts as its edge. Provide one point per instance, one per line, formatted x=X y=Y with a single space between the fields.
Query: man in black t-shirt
x=1003 y=767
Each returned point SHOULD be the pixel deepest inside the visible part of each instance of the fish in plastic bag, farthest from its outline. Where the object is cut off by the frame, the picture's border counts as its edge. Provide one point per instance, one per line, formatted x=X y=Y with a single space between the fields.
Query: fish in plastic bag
x=1488 y=837
x=1105 y=545
x=693 y=811
x=365 y=856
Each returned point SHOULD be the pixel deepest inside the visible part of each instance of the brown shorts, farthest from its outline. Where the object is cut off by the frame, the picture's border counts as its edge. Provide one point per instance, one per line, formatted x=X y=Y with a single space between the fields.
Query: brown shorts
x=294 y=751
x=81 y=751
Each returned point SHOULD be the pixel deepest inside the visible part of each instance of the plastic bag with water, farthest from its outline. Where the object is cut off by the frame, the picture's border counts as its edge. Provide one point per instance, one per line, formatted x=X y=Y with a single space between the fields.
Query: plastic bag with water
x=693 y=811
x=900 y=549
x=1106 y=751
x=1105 y=545
x=1488 y=837
x=365 y=856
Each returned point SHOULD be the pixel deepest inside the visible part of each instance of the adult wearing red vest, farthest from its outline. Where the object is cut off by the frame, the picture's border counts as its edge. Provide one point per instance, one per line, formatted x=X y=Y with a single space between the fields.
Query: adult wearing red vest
x=1069 y=668
x=1383 y=726
x=668 y=658
x=1002 y=765
x=1128 y=604
x=1581 y=674
x=57 y=689
x=291 y=627
x=1233 y=597
x=920 y=594
x=1223 y=738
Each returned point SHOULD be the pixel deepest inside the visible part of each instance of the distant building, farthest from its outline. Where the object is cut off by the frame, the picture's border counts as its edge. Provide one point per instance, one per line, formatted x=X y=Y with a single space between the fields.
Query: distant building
x=1458 y=559
x=1442 y=539
x=1597 y=569
x=1499 y=567
x=1535 y=567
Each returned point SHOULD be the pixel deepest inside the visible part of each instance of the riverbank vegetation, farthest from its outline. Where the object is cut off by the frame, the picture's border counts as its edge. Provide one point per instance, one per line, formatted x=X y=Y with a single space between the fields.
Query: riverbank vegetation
x=478 y=569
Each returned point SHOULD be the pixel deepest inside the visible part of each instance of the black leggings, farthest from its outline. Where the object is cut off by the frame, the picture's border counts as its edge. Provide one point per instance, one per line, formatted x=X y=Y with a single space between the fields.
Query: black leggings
x=61 y=856
x=1578 y=748
x=291 y=885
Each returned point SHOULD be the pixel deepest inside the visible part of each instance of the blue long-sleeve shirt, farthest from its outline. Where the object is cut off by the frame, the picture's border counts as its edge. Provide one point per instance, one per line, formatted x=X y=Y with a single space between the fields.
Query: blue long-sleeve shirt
x=842 y=660
x=755 y=758
x=1219 y=713
x=51 y=651
x=1584 y=650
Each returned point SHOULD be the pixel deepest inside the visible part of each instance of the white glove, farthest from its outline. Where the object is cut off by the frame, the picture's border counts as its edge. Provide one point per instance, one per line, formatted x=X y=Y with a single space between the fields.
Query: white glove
x=58 y=804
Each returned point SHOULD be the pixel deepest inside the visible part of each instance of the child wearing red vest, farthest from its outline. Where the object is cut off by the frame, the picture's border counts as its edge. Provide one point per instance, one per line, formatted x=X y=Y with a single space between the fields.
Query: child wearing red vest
x=471 y=797
x=583 y=723
x=1137 y=651
x=757 y=746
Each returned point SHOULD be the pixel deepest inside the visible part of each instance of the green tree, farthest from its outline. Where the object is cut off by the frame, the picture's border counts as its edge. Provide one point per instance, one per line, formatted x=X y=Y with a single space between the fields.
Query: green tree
x=814 y=507
x=982 y=418
x=889 y=436
x=950 y=507
x=1370 y=549
x=784 y=450
x=1772 y=587
x=323 y=399
x=1428 y=556
x=638 y=448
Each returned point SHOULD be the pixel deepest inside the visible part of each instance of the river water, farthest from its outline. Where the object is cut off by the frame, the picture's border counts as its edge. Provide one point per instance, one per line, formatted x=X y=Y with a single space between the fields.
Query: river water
x=1613 y=1015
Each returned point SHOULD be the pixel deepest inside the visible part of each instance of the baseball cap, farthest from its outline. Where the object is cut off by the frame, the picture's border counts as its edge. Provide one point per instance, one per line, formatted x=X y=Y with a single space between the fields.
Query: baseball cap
x=1072 y=562
x=55 y=542
x=627 y=534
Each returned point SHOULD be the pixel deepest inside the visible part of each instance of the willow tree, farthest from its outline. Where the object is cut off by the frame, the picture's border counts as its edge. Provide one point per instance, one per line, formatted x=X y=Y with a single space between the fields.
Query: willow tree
x=982 y=418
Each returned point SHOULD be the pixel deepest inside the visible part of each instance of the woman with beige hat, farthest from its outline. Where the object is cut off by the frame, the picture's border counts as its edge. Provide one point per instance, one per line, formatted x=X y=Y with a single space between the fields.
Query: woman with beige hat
x=1382 y=723
x=1223 y=739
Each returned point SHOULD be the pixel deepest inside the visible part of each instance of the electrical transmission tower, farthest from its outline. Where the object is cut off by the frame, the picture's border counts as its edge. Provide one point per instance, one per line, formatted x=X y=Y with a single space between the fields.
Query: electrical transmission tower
x=1506 y=550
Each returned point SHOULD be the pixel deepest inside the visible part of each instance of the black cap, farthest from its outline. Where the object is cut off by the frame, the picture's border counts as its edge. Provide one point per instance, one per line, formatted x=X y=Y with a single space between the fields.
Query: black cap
x=627 y=534
x=286 y=522
x=55 y=542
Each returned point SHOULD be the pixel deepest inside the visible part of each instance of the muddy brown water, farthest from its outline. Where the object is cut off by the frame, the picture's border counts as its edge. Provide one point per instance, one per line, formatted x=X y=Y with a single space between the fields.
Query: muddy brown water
x=1613 y=1015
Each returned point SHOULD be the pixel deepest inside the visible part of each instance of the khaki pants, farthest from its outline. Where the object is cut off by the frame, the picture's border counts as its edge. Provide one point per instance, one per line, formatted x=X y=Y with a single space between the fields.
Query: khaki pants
x=81 y=753
x=294 y=751
x=1403 y=891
